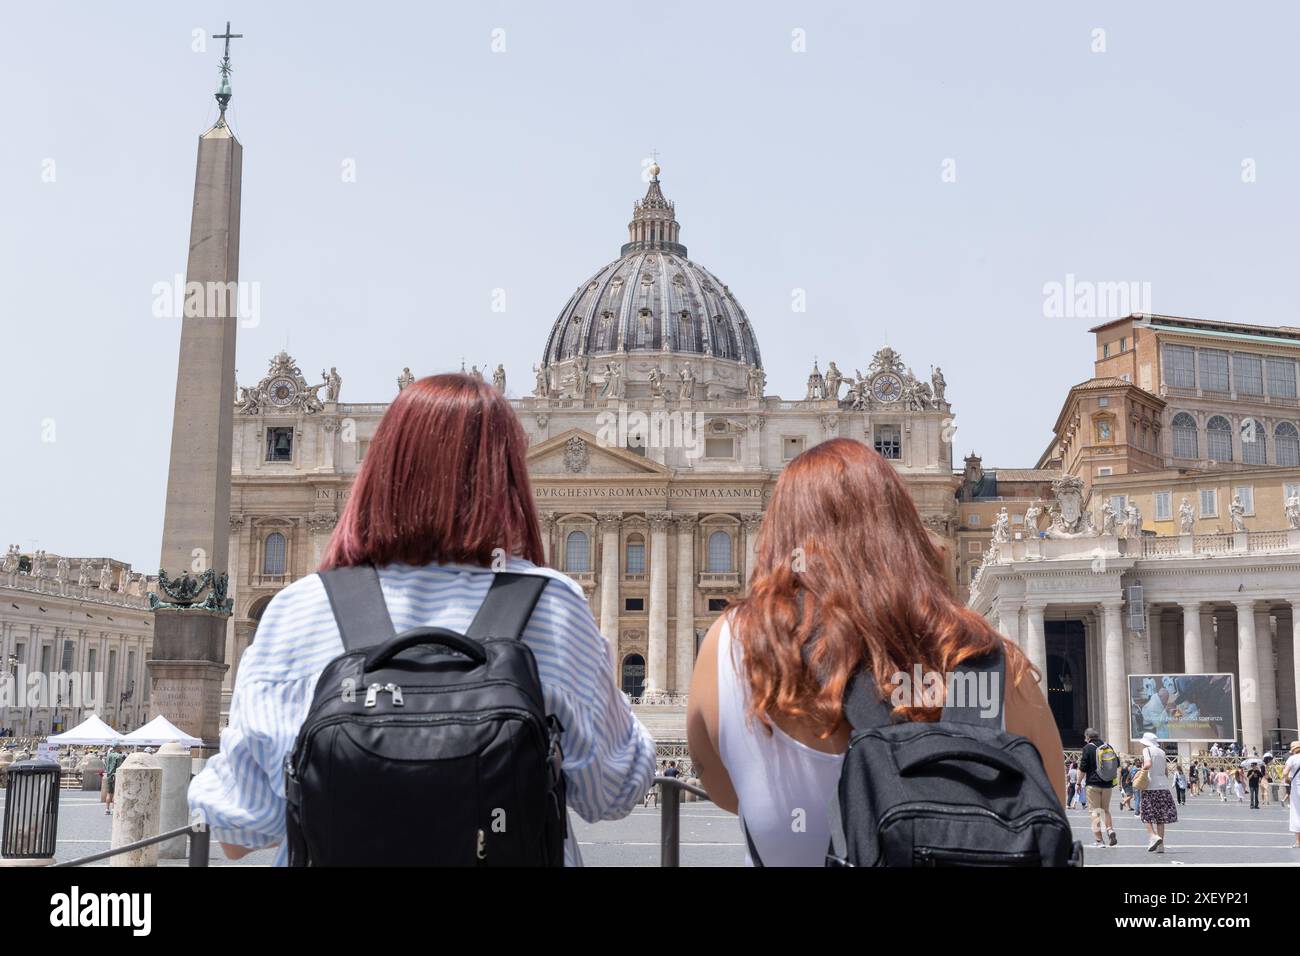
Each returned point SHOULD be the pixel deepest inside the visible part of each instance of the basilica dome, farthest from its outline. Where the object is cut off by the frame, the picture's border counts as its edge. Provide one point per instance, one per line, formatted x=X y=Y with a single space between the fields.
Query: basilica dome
x=653 y=299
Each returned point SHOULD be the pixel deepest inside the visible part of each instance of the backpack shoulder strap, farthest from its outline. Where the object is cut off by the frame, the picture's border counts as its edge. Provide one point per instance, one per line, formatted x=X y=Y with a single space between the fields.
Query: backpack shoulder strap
x=863 y=706
x=508 y=606
x=358 y=604
x=967 y=685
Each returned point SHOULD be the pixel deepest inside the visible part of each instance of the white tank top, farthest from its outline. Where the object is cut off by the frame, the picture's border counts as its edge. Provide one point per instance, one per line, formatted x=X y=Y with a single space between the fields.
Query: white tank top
x=784 y=787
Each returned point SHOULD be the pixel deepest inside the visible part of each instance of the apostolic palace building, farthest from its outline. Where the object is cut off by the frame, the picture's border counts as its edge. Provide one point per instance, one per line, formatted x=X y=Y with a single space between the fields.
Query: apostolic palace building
x=1158 y=532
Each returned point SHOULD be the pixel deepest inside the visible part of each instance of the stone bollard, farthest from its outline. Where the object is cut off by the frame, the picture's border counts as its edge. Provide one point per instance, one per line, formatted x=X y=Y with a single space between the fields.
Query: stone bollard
x=92 y=770
x=136 y=807
x=174 y=759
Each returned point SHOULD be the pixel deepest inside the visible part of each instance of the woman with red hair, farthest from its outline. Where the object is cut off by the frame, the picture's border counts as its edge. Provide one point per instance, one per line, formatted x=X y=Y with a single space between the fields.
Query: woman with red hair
x=846 y=579
x=441 y=503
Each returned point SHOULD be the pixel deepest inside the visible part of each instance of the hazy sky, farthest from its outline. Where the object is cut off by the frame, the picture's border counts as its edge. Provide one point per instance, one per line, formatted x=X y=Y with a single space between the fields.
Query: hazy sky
x=823 y=170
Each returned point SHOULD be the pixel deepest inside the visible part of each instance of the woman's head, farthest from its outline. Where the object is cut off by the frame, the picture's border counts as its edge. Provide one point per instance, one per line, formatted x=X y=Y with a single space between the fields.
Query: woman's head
x=845 y=567
x=444 y=480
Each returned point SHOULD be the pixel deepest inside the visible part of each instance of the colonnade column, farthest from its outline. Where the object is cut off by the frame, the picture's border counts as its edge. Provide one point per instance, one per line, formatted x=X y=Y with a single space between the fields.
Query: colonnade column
x=751 y=522
x=1116 y=675
x=685 y=662
x=548 y=532
x=1193 y=647
x=1141 y=641
x=1155 y=639
x=1295 y=647
x=1009 y=621
x=1209 y=646
x=609 y=525
x=1267 y=673
x=1252 y=726
x=657 y=665
x=1035 y=642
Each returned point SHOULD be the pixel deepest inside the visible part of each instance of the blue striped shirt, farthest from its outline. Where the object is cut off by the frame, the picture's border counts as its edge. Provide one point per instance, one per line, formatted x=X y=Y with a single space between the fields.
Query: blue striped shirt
x=609 y=757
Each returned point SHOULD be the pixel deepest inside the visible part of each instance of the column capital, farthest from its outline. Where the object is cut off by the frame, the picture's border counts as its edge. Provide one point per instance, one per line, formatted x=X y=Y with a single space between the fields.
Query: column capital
x=1112 y=605
x=1034 y=606
x=659 y=521
x=548 y=519
x=1244 y=604
x=751 y=521
x=609 y=521
x=686 y=522
x=1194 y=606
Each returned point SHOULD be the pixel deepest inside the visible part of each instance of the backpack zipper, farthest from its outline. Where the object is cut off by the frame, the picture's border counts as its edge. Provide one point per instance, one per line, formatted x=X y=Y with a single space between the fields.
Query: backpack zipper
x=374 y=690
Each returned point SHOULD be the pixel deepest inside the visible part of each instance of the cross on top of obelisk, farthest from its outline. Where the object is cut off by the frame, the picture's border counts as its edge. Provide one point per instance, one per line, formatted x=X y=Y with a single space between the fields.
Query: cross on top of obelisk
x=223 y=93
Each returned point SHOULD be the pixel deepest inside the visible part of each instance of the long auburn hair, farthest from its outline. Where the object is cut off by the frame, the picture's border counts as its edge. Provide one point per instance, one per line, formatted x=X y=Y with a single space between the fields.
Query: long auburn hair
x=444 y=480
x=846 y=577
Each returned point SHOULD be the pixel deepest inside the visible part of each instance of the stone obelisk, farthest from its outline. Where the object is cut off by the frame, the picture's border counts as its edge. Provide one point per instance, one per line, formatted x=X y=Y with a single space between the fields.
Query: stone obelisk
x=191 y=609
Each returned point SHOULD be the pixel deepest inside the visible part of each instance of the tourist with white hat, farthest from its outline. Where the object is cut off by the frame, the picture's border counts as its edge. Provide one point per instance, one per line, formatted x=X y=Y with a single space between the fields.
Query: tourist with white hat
x=1292 y=774
x=1158 y=806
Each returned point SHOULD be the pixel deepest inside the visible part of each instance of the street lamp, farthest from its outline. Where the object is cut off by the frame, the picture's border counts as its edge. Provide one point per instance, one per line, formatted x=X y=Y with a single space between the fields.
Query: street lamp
x=126 y=695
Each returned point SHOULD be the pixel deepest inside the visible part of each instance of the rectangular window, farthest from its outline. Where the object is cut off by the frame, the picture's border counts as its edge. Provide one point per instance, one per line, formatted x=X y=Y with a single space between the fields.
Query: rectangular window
x=889 y=441
x=717 y=604
x=1164 y=505
x=1214 y=370
x=1118 y=503
x=1105 y=350
x=1209 y=503
x=66 y=664
x=973 y=520
x=634 y=604
x=1247 y=495
x=791 y=447
x=45 y=659
x=1248 y=372
x=973 y=547
x=91 y=656
x=279 y=444
x=1103 y=472
x=1179 y=366
x=1103 y=402
x=1123 y=343
x=362 y=448
x=1281 y=377
x=110 y=679
x=635 y=558
x=719 y=448
x=1290 y=489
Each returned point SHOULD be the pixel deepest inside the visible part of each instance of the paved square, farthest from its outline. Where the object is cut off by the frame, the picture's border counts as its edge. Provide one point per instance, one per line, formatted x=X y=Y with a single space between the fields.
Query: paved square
x=1208 y=832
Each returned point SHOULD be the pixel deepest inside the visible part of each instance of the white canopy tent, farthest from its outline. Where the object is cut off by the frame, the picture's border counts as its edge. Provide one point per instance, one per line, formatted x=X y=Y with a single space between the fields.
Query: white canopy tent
x=160 y=731
x=90 y=732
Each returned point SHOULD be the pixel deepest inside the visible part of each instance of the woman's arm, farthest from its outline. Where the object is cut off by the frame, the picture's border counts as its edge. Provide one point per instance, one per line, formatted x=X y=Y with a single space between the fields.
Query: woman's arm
x=1029 y=716
x=702 y=724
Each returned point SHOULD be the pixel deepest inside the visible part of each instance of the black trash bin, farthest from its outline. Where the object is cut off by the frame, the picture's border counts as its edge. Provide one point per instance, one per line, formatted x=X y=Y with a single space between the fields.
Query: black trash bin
x=31 y=825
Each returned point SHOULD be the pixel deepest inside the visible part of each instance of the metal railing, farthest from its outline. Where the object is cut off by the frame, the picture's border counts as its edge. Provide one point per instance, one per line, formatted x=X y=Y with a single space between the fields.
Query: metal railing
x=199 y=843
x=670 y=819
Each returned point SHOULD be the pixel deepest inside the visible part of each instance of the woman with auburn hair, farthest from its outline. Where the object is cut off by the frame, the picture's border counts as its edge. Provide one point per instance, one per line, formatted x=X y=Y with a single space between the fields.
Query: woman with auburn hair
x=441 y=503
x=845 y=578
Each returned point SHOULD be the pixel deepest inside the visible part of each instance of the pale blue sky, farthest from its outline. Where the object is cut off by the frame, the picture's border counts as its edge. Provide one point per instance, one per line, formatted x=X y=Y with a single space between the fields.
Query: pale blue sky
x=478 y=170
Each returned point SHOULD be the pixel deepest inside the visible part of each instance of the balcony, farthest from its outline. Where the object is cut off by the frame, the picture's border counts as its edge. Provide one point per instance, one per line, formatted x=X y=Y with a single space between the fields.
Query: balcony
x=586 y=579
x=719 y=580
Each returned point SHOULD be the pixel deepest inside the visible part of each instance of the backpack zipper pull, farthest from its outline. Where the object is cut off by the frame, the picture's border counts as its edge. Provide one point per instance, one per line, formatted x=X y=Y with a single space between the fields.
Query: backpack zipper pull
x=372 y=694
x=396 y=692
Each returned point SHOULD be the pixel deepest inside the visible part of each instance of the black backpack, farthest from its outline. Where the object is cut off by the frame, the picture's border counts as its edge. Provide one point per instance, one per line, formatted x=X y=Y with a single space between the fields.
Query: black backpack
x=427 y=748
x=959 y=791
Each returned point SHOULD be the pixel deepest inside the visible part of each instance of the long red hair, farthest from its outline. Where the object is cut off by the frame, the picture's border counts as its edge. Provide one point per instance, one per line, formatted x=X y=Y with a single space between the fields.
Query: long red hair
x=846 y=577
x=444 y=480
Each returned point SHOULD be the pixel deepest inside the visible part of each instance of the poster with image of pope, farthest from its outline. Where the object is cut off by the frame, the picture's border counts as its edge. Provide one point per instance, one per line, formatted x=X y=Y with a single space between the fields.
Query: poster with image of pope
x=1182 y=707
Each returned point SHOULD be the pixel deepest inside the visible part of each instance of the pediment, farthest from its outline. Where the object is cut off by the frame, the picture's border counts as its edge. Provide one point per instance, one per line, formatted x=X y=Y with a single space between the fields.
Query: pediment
x=577 y=452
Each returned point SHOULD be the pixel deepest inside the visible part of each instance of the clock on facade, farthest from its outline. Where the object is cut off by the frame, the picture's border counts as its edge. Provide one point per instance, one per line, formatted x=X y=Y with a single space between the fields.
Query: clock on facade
x=282 y=391
x=887 y=387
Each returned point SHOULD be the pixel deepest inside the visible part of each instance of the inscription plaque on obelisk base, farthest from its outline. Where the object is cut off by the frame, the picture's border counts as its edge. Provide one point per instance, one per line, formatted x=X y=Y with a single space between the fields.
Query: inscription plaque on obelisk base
x=191 y=609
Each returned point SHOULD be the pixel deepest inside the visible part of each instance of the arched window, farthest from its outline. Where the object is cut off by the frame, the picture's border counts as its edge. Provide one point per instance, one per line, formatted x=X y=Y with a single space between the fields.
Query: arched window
x=632 y=678
x=634 y=560
x=719 y=553
x=1185 y=443
x=577 y=552
x=1288 y=445
x=1254 y=442
x=273 y=554
x=1218 y=439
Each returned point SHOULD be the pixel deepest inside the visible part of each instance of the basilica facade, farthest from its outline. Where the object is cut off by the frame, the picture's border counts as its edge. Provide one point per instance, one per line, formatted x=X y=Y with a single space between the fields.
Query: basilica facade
x=654 y=447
